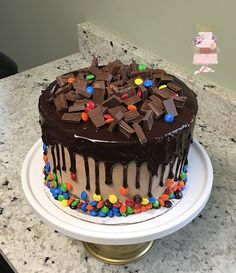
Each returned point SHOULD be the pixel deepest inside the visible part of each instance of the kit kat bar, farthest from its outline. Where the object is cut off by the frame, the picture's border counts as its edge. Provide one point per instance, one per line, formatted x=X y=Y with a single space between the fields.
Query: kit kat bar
x=148 y=120
x=179 y=101
x=71 y=117
x=114 y=124
x=174 y=87
x=132 y=100
x=96 y=116
x=157 y=100
x=112 y=101
x=131 y=115
x=158 y=112
x=113 y=111
x=61 y=103
x=76 y=108
x=64 y=89
x=80 y=84
x=170 y=107
x=140 y=134
x=125 y=128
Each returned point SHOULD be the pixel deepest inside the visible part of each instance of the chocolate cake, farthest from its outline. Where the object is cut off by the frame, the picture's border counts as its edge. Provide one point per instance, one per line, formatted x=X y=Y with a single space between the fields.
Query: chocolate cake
x=116 y=138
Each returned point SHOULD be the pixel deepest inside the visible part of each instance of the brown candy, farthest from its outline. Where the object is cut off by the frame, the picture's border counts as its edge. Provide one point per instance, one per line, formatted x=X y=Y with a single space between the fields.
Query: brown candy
x=157 y=100
x=164 y=93
x=98 y=95
x=80 y=84
x=113 y=111
x=130 y=90
x=62 y=80
x=66 y=88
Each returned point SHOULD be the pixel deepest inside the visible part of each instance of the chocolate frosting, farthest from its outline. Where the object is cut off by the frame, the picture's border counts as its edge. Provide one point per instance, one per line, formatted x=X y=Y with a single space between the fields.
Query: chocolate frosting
x=165 y=142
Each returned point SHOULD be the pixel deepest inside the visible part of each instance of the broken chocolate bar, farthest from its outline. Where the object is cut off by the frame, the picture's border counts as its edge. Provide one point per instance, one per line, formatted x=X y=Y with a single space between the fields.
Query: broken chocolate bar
x=76 y=108
x=148 y=120
x=130 y=90
x=142 y=74
x=114 y=110
x=80 y=84
x=62 y=80
x=164 y=93
x=96 y=117
x=118 y=117
x=131 y=115
x=158 y=112
x=64 y=89
x=71 y=95
x=61 y=103
x=157 y=100
x=71 y=117
x=132 y=100
x=140 y=134
x=174 y=86
x=107 y=77
x=145 y=107
x=125 y=128
x=170 y=107
x=98 y=95
x=112 y=101
x=179 y=101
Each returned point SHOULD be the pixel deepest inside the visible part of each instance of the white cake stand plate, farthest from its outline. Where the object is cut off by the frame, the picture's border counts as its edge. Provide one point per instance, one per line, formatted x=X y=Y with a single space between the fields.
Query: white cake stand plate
x=200 y=178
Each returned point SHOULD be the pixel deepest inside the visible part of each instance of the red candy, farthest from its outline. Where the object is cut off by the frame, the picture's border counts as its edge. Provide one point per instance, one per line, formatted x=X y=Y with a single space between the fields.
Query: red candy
x=73 y=176
x=124 y=96
x=107 y=116
x=139 y=93
x=117 y=205
x=129 y=202
x=90 y=105
x=168 y=190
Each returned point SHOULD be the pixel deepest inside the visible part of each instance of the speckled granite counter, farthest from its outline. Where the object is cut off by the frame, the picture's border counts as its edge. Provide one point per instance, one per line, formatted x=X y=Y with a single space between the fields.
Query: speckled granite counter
x=206 y=244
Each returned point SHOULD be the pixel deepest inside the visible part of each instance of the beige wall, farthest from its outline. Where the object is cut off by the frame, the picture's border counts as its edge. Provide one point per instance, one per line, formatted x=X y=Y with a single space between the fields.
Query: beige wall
x=35 y=32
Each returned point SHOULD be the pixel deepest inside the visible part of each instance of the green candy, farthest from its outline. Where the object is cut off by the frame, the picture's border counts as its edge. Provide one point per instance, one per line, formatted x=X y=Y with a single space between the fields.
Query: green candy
x=129 y=210
x=171 y=195
x=183 y=175
x=54 y=176
x=55 y=184
x=75 y=203
x=156 y=204
x=104 y=209
x=90 y=77
x=60 y=197
x=142 y=67
x=124 y=214
x=63 y=187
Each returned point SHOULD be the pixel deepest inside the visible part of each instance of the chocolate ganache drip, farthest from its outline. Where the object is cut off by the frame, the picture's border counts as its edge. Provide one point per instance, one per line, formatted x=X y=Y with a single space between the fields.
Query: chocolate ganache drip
x=117 y=114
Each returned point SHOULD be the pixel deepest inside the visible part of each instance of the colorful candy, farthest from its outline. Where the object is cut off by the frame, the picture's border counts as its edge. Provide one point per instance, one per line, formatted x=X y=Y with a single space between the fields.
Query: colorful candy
x=131 y=107
x=138 y=81
x=123 y=191
x=90 y=77
x=169 y=118
x=142 y=67
x=113 y=198
x=162 y=86
x=84 y=116
x=148 y=83
x=97 y=197
x=89 y=89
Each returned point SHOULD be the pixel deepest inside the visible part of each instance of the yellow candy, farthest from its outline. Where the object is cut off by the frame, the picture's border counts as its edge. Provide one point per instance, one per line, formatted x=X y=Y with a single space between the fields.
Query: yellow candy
x=145 y=201
x=112 y=198
x=64 y=203
x=163 y=86
x=138 y=81
x=97 y=197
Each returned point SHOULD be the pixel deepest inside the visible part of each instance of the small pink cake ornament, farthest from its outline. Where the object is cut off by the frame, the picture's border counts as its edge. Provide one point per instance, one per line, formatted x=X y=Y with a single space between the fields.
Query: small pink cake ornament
x=205 y=51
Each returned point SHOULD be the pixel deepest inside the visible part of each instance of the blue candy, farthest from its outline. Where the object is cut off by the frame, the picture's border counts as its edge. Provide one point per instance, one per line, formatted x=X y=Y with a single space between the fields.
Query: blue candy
x=169 y=118
x=185 y=179
x=93 y=203
x=152 y=199
x=182 y=188
x=66 y=196
x=83 y=195
x=84 y=207
x=148 y=83
x=89 y=89
x=47 y=167
x=93 y=213
x=101 y=214
x=110 y=214
x=56 y=191
x=116 y=213
x=185 y=169
x=48 y=184
x=54 y=195
x=44 y=147
x=52 y=190
x=115 y=209
x=60 y=191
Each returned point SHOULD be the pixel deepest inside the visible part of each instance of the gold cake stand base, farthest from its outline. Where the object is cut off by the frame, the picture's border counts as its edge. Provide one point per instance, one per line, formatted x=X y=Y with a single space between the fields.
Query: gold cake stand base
x=119 y=254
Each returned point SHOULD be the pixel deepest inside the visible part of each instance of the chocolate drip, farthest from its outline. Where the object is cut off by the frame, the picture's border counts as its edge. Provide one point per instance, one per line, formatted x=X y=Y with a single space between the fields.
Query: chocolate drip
x=108 y=173
x=162 y=175
x=97 y=186
x=58 y=158
x=171 y=175
x=125 y=169
x=63 y=158
x=72 y=161
x=137 y=177
x=177 y=168
x=150 y=184
x=86 y=165
x=53 y=158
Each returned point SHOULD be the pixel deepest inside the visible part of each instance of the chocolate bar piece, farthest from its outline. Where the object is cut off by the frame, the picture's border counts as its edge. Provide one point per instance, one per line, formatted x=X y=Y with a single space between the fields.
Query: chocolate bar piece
x=109 y=91
x=131 y=115
x=98 y=95
x=113 y=111
x=112 y=101
x=138 y=119
x=174 y=86
x=82 y=93
x=96 y=117
x=179 y=101
x=80 y=84
x=99 y=85
x=170 y=107
x=117 y=83
x=76 y=108
x=112 y=67
x=156 y=110
x=61 y=103
x=148 y=120
x=125 y=128
x=64 y=89
x=140 y=134
x=107 y=77
x=94 y=70
x=142 y=74
x=164 y=93
x=144 y=91
x=165 y=78
x=71 y=95
x=130 y=90
x=132 y=100
x=81 y=102
x=71 y=117
x=157 y=75
x=145 y=107
x=62 y=80
x=118 y=117
x=124 y=72
x=157 y=100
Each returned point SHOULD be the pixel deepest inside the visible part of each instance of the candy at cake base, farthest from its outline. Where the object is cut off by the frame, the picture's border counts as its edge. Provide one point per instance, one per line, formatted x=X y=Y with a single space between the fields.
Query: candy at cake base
x=141 y=152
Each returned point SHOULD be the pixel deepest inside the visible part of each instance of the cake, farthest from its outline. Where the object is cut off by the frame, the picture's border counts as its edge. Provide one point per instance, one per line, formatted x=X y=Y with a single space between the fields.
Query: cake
x=116 y=138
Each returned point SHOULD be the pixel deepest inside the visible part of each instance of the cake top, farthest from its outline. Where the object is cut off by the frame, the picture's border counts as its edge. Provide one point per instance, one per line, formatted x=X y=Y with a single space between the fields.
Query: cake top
x=116 y=99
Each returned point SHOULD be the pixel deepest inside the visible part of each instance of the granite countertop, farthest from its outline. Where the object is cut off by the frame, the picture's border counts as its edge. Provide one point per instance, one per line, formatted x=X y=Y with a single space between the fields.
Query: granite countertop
x=206 y=244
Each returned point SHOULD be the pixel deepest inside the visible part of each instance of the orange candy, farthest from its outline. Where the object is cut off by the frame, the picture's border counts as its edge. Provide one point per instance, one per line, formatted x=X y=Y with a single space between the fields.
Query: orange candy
x=109 y=120
x=51 y=184
x=148 y=206
x=181 y=183
x=70 y=80
x=45 y=183
x=131 y=107
x=161 y=202
x=69 y=186
x=169 y=182
x=100 y=204
x=84 y=116
x=123 y=209
x=143 y=208
x=137 y=210
x=50 y=176
x=70 y=200
x=89 y=207
x=178 y=188
x=123 y=191
x=45 y=158
x=174 y=187
x=164 y=197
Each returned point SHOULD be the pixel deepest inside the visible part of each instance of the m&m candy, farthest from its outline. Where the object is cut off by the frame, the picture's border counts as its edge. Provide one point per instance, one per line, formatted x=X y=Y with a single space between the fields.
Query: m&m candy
x=89 y=89
x=169 y=118
x=142 y=67
x=148 y=83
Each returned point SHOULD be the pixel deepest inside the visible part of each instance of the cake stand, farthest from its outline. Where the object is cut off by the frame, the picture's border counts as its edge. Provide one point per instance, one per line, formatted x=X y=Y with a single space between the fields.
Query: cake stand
x=132 y=241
